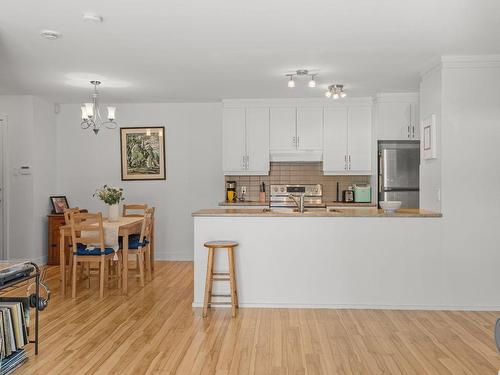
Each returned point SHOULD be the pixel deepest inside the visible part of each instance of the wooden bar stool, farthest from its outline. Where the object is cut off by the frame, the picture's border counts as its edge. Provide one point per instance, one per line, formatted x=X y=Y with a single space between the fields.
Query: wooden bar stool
x=220 y=276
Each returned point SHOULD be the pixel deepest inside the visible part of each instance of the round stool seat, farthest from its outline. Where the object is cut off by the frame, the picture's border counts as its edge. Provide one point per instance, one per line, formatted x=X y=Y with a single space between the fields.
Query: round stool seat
x=220 y=244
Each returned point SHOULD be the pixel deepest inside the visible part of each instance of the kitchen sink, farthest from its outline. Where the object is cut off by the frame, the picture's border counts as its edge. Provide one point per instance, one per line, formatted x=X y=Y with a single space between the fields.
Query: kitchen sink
x=307 y=210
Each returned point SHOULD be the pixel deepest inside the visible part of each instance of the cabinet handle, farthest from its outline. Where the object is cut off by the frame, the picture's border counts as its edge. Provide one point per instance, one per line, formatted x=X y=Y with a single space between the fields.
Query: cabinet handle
x=413 y=129
x=294 y=141
x=298 y=142
x=243 y=162
x=248 y=163
x=349 y=162
x=409 y=131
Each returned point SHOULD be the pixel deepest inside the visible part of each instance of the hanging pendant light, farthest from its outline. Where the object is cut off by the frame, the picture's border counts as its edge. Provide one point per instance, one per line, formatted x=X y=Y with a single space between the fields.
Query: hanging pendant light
x=91 y=114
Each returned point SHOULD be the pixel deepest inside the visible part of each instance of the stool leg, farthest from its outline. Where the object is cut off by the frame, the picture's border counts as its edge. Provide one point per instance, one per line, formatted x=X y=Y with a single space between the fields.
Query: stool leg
x=232 y=281
x=208 y=282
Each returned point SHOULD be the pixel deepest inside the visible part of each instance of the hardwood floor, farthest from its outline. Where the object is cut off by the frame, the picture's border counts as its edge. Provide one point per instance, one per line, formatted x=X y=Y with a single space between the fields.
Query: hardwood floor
x=155 y=331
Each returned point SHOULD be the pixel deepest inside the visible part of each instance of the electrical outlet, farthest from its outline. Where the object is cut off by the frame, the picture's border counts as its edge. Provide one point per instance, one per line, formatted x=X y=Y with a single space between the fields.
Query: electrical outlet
x=243 y=190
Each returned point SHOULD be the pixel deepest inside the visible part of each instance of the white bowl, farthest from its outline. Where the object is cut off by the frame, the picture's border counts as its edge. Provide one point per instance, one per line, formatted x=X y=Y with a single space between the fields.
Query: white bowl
x=390 y=206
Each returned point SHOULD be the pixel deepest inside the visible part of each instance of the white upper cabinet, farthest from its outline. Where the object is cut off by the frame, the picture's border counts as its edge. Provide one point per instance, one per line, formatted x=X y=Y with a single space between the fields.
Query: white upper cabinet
x=257 y=140
x=233 y=140
x=245 y=141
x=359 y=140
x=309 y=129
x=335 y=141
x=283 y=129
x=397 y=116
x=347 y=141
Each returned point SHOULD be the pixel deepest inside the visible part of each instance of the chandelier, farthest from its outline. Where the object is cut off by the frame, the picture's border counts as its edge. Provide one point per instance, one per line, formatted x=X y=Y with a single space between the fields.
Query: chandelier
x=91 y=114
x=335 y=92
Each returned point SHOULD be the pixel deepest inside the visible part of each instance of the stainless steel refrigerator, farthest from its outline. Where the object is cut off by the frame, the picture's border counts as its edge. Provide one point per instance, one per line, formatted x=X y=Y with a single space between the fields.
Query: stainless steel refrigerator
x=398 y=172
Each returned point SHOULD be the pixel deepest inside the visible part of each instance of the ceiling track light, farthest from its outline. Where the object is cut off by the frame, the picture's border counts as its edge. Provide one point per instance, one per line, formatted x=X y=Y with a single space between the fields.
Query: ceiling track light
x=335 y=92
x=299 y=73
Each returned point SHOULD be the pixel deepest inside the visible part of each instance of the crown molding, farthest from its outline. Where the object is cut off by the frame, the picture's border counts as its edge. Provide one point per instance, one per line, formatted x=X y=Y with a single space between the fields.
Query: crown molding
x=462 y=62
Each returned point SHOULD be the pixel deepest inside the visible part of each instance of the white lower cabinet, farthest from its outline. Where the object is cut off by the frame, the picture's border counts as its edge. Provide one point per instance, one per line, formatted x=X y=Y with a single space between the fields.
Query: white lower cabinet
x=347 y=141
x=245 y=141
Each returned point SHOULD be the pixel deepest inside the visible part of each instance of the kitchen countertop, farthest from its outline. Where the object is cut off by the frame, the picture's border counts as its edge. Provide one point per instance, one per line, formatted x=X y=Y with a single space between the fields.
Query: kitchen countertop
x=266 y=203
x=342 y=212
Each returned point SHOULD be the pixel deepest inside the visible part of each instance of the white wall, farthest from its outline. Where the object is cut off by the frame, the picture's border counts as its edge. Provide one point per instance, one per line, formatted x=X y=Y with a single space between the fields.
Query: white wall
x=470 y=176
x=30 y=136
x=430 y=170
x=470 y=163
x=193 y=134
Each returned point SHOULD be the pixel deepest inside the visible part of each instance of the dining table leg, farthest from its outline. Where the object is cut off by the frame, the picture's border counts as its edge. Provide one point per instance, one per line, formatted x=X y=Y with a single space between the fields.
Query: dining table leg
x=62 y=261
x=125 y=263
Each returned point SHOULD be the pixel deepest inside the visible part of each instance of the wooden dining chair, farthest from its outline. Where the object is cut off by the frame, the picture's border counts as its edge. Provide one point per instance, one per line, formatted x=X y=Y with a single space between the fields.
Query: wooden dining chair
x=139 y=245
x=134 y=210
x=67 y=220
x=87 y=233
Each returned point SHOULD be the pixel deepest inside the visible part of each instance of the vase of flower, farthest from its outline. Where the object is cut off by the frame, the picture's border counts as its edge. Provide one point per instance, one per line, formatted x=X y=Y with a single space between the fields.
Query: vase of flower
x=113 y=212
x=112 y=197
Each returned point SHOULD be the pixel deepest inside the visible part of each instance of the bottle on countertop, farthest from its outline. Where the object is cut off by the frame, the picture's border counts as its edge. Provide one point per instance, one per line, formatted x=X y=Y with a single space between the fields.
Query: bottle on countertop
x=262 y=193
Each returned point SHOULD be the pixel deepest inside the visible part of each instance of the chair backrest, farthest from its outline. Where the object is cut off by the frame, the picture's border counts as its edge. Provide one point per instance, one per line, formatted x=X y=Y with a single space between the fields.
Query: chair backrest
x=68 y=212
x=134 y=210
x=147 y=224
x=87 y=229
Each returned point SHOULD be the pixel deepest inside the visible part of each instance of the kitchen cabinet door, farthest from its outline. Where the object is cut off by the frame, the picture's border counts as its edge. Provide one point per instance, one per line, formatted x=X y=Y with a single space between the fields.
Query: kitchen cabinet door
x=233 y=140
x=282 y=128
x=310 y=128
x=257 y=140
x=394 y=121
x=335 y=141
x=359 y=140
x=415 y=121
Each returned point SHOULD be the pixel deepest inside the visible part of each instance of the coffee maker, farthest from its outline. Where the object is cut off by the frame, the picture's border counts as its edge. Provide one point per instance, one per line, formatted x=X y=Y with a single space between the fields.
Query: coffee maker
x=231 y=191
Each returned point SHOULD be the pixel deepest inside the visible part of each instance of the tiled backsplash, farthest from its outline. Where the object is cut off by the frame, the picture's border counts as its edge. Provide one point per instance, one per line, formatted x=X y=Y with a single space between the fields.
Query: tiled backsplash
x=296 y=173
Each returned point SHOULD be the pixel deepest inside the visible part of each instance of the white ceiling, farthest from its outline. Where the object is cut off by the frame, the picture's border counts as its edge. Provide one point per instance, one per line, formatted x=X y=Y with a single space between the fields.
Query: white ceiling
x=206 y=50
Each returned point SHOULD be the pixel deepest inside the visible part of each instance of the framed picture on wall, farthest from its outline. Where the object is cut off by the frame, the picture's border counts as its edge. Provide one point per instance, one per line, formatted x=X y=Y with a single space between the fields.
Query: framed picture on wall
x=429 y=147
x=59 y=204
x=143 y=153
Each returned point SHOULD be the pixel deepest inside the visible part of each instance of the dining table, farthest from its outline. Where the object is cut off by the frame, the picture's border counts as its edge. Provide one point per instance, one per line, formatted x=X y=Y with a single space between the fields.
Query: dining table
x=126 y=226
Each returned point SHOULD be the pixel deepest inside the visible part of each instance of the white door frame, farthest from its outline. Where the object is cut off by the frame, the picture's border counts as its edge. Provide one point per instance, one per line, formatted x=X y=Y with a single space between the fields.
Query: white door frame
x=4 y=248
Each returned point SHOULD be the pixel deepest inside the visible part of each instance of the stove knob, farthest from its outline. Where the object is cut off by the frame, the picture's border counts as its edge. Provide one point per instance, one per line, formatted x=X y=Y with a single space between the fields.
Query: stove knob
x=275 y=189
x=282 y=190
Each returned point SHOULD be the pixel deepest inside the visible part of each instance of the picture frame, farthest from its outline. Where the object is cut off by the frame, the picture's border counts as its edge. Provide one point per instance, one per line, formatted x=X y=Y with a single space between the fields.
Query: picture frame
x=142 y=153
x=428 y=138
x=59 y=203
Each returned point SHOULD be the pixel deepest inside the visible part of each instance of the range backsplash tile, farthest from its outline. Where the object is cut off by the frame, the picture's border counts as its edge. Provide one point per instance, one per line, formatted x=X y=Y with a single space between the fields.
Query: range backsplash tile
x=296 y=173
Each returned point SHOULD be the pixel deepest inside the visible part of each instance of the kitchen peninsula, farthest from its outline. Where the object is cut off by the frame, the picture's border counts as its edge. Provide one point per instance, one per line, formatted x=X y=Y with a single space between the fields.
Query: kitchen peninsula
x=326 y=258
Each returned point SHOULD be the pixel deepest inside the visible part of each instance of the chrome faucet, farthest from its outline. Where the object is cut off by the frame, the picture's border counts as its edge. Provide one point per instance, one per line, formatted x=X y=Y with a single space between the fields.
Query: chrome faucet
x=299 y=201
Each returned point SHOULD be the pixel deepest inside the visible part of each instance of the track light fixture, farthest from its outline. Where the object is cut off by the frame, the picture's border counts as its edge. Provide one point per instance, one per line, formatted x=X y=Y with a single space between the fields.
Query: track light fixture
x=299 y=73
x=335 y=92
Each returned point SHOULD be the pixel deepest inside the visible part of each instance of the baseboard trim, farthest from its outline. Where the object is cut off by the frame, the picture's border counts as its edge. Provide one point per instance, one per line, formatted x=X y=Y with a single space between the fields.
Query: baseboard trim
x=176 y=256
x=359 y=307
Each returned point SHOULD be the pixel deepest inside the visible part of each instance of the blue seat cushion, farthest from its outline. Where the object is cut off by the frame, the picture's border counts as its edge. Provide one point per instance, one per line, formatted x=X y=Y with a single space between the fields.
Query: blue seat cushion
x=134 y=241
x=81 y=249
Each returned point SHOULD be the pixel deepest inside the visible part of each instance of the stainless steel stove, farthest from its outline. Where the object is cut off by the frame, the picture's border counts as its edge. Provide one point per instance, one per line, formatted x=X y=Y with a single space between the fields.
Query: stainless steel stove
x=279 y=195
